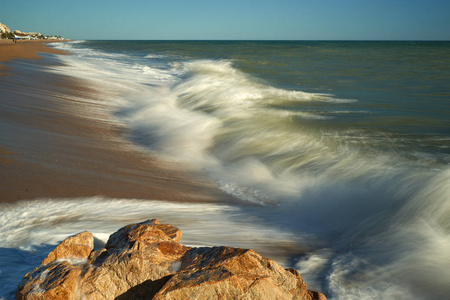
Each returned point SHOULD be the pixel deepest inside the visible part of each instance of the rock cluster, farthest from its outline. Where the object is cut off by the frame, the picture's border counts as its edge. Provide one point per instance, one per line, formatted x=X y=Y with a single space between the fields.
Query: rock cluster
x=146 y=261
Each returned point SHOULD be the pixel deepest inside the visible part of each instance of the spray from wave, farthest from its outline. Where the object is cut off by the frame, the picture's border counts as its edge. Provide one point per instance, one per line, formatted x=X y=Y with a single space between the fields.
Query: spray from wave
x=376 y=218
x=30 y=229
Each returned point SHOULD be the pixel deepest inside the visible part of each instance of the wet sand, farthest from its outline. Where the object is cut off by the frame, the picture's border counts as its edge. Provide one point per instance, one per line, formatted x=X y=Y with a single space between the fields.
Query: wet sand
x=53 y=144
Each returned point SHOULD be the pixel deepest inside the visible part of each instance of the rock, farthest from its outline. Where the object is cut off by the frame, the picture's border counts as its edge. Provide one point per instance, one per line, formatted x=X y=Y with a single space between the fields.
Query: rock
x=79 y=247
x=135 y=254
x=146 y=261
x=57 y=276
x=230 y=273
x=52 y=281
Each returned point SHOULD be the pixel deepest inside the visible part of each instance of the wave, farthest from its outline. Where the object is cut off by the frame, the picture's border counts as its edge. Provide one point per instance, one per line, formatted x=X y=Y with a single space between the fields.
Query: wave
x=33 y=223
x=369 y=217
x=407 y=256
x=152 y=55
x=362 y=253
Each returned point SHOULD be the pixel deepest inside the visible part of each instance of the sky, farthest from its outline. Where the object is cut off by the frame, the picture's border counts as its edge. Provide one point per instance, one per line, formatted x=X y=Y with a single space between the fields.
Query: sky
x=232 y=19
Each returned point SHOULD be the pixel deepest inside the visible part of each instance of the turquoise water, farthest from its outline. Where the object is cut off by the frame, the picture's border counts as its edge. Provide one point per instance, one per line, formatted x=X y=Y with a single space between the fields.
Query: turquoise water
x=337 y=153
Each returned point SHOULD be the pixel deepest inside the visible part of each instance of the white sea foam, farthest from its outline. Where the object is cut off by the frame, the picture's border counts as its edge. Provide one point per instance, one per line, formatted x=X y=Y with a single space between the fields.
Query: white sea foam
x=44 y=221
x=370 y=221
x=351 y=112
x=364 y=250
x=212 y=116
x=152 y=55
x=155 y=73
x=30 y=229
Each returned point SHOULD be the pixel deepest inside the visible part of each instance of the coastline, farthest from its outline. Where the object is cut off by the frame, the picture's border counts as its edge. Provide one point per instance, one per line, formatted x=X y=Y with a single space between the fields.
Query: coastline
x=51 y=146
x=351 y=187
x=24 y=50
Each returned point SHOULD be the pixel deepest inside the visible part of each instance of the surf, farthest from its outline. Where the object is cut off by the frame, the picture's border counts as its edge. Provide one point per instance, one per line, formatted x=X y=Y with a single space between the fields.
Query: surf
x=367 y=217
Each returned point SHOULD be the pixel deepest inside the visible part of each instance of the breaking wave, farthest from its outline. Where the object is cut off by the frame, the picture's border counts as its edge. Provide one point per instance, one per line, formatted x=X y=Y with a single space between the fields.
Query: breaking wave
x=369 y=219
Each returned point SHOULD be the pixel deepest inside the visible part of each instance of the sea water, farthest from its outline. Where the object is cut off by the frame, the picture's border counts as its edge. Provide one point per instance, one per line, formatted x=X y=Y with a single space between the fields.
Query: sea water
x=337 y=154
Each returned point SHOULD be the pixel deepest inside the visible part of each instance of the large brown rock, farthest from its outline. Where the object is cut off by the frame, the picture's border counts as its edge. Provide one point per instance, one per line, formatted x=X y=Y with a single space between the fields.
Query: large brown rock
x=79 y=246
x=58 y=275
x=146 y=261
x=231 y=273
x=135 y=254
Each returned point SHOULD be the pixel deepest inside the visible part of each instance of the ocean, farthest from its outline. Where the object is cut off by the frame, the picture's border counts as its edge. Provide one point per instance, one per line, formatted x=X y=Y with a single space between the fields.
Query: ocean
x=336 y=155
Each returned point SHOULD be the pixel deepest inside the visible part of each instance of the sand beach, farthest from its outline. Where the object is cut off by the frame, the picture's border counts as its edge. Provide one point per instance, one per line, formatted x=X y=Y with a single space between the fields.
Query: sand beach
x=24 y=49
x=316 y=135
x=50 y=147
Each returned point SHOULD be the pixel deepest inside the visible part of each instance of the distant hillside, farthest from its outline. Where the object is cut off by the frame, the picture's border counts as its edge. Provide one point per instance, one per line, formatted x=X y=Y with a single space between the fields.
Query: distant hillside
x=4 y=28
x=6 y=33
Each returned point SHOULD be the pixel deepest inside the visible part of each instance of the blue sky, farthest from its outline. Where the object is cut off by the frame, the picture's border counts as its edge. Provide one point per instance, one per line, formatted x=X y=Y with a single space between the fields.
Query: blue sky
x=232 y=19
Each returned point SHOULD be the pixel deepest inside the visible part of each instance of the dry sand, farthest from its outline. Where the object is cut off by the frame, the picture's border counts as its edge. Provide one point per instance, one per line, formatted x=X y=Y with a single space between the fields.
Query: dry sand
x=23 y=50
x=50 y=147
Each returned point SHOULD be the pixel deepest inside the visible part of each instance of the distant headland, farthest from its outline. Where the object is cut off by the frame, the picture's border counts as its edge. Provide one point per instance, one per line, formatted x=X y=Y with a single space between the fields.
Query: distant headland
x=6 y=33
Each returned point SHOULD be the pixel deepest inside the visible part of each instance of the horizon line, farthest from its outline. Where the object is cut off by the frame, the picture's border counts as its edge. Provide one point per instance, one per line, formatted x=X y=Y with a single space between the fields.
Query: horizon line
x=272 y=40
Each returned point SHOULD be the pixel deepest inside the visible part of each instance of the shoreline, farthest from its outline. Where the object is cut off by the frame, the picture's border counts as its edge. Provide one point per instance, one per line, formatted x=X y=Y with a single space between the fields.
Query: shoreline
x=24 y=50
x=52 y=146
